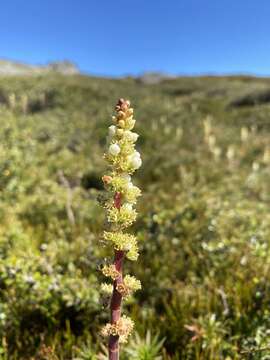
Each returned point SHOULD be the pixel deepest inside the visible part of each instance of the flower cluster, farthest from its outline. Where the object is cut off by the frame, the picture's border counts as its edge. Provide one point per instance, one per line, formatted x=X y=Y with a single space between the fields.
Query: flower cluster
x=122 y=194
x=123 y=242
x=110 y=271
x=122 y=328
x=128 y=286
x=124 y=217
x=122 y=184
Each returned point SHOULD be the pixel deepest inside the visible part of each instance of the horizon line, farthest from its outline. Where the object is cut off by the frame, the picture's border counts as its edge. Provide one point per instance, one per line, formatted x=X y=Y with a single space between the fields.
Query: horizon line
x=141 y=73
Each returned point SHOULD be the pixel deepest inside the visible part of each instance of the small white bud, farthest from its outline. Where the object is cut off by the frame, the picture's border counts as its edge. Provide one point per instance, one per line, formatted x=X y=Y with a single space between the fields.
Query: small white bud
x=137 y=154
x=114 y=149
x=136 y=162
x=112 y=130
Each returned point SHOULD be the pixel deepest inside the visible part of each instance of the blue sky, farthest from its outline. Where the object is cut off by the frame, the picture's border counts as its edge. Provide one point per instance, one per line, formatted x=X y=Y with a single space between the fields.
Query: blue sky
x=116 y=37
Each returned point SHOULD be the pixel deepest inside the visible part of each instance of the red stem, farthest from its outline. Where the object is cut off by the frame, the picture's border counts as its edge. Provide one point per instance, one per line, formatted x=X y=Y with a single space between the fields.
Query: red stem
x=116 y=300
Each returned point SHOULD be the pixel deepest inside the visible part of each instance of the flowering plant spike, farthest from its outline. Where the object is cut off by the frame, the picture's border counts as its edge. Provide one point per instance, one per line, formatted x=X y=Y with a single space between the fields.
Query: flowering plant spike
x=123 y=160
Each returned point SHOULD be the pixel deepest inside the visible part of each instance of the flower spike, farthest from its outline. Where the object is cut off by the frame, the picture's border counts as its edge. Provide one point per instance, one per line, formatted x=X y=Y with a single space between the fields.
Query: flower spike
x=123 y=160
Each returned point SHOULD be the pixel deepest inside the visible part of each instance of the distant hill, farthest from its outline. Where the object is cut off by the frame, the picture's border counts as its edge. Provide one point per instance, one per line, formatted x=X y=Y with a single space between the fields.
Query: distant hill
x=8 y=67
x=152 y=78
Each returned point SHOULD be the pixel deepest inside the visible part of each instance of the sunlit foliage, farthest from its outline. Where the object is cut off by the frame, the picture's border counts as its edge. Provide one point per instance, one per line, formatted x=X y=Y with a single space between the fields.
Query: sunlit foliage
x=203 y=221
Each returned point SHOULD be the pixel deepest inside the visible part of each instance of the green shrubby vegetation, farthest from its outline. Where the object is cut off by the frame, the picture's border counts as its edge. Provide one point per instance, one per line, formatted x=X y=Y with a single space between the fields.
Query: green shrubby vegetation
x=203 y=221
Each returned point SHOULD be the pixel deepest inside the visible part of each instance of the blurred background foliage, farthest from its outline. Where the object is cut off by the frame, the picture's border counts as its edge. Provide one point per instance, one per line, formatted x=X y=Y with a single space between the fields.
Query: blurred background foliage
x=203 y=226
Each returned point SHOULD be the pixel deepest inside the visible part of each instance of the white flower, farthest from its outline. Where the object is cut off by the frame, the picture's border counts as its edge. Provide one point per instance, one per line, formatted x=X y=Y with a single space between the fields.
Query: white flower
x=114 y=149
x=112 y=130
x=136 y=162
x=137 y=154
x=131 y=136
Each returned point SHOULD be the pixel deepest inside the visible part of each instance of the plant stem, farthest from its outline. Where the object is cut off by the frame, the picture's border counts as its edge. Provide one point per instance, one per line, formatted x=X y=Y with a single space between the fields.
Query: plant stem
x=116 y=300
x=115 y=306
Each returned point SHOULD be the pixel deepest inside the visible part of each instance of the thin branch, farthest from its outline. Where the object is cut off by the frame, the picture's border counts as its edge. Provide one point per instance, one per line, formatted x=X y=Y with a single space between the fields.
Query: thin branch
x=224 y=301
x=64 y=181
